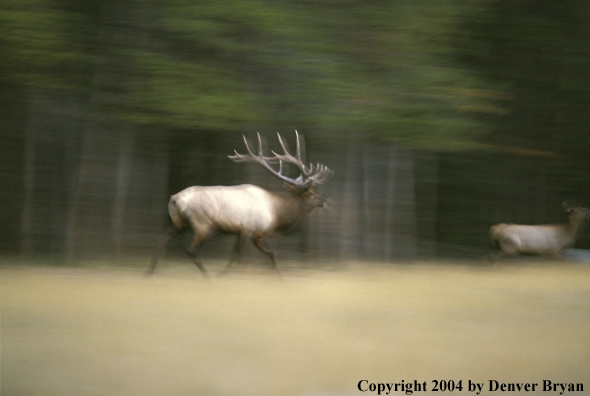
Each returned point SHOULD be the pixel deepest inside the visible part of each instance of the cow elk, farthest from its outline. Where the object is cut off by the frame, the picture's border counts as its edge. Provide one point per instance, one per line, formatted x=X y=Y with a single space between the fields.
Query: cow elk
x=546 y=240
x=248 y=211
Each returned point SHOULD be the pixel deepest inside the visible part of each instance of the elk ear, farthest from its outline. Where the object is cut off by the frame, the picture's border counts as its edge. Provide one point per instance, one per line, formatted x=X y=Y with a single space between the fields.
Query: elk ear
x=295 y=190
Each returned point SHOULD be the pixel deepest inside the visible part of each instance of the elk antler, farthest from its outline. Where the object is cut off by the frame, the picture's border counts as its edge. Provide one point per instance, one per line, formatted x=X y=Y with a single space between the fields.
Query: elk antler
x=309 y=175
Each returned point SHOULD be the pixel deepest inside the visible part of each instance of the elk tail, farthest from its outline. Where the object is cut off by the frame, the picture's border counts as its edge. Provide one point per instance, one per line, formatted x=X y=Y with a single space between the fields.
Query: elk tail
x=176 y=215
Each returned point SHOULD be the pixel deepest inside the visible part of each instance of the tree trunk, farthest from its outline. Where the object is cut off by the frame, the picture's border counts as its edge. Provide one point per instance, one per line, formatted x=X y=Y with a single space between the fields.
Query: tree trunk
x=349 y=220
x=124 y=171
x=27 y=216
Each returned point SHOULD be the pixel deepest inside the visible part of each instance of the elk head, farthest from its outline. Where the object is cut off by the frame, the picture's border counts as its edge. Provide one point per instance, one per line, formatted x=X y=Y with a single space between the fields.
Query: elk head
x=576 y=214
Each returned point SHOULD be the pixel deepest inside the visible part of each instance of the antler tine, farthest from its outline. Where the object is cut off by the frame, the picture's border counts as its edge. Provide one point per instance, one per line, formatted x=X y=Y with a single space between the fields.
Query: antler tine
x=314 y=174
x=298 y=147
x=241 y=157
x=299 y=137
x=288 y=157
x=260 y=145
x=321 y=175
x=282 y=144
x=325 y=177
x=247 y=144
x=280 y=167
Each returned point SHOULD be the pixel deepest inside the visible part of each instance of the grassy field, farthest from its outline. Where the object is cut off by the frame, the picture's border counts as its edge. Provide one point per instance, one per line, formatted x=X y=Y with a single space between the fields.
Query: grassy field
x=310 y=332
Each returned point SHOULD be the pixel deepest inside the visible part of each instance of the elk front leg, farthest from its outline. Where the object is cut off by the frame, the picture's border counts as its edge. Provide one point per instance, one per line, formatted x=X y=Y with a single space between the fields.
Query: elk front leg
x=261 y=244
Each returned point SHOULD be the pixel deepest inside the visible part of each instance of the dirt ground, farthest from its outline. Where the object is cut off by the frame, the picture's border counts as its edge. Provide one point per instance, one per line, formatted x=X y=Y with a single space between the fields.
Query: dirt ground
x=310 y=332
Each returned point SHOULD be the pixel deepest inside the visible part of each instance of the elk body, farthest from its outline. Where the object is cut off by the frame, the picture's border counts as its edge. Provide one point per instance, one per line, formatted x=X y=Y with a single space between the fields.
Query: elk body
x=547 y=240
x=248 y=211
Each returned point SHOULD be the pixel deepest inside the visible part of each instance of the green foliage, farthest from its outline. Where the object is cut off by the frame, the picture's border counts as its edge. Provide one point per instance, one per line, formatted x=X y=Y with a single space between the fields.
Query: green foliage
x=396 y=79
x=538 y=53
x=37 y=48
x=182 y=94
x=434 y=74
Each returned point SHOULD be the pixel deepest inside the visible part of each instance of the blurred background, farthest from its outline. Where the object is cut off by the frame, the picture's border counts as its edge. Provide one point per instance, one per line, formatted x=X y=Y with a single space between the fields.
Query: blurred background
x=439 y=119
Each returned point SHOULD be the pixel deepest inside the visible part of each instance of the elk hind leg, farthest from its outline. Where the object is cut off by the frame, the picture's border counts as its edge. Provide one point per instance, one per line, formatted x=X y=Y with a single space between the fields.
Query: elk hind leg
x=191 y=251
x=506 y=248
x=496 y=257
x=163 y=240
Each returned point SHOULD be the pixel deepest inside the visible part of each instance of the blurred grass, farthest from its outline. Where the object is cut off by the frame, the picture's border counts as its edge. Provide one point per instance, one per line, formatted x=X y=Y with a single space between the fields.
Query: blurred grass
x=68 y=331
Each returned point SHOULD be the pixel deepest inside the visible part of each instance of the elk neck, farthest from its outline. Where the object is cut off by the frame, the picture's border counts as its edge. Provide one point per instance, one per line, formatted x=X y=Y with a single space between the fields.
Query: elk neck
x=289 y=208
x=575 y=219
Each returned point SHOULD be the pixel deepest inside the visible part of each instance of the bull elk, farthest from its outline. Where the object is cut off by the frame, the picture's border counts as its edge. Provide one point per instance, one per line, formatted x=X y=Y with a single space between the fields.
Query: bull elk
x=248 y=211
x=547 y=240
